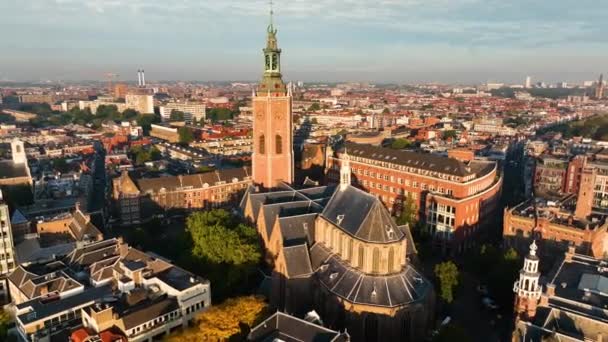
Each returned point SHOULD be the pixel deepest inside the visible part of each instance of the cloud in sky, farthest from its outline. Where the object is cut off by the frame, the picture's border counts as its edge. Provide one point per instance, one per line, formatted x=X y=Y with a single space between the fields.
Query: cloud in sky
x=390 y=40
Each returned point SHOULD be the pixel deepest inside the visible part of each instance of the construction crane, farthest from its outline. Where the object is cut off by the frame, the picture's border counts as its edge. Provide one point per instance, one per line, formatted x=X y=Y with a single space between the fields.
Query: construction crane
x=109 y=77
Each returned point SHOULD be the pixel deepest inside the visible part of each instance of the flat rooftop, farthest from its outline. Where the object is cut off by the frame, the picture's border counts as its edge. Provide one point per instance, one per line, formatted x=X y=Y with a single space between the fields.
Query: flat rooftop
x=582 y=286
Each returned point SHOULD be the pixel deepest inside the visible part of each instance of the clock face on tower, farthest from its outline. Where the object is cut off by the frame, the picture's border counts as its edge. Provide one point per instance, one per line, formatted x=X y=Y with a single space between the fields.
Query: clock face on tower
x=278 y=116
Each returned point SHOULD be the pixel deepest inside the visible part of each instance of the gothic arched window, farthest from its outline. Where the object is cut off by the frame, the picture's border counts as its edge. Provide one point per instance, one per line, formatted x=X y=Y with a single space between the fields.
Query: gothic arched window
x=391 y=257
x=349 y=256
x=376 y=260
x=361 y=256
x=278 y=144
x=262 y=144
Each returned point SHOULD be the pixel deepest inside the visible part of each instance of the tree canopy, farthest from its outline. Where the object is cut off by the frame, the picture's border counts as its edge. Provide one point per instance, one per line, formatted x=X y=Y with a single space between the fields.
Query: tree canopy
x=220 y=114
x=143 y=155
x=5 y=321
x=314 y=107
x=447 y=274
x=232 y=320
x=400 y=143
x=186 y=135
x=176 y=115
x=47 y=117
x=449 y=134
x=595 y=127
x=218 y=238
x=408 y=212
x=496 y=268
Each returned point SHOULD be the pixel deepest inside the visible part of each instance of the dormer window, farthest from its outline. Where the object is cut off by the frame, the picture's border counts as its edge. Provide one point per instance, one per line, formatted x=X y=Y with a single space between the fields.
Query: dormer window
x=339 y=219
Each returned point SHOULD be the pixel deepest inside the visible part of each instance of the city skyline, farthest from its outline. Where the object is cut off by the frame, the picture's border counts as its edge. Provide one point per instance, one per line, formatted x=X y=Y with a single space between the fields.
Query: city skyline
x=390 y=41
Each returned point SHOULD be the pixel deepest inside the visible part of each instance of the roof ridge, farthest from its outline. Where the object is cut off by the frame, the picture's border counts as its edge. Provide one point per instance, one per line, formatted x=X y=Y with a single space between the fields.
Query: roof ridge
x=365 y=218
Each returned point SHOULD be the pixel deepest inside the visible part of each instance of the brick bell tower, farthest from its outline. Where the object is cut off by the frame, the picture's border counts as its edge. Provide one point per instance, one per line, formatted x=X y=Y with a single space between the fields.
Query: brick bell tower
x=272 y=121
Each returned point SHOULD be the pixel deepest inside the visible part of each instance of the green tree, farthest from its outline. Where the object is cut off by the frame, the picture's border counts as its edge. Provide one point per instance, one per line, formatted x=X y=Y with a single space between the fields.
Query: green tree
x=130 y=114
x=219 y=238
x=108 y=112
x=5 y=321
x=447 y=274
x=146 y=121
x=186 y=135
x=386 y=111
x=400 y=144
x=155 y=153
x=220 y=114
x=176 y=115
x=314 y=107
x=314 y=121
x=449 y=134
x=143 y=155
x=408 y=212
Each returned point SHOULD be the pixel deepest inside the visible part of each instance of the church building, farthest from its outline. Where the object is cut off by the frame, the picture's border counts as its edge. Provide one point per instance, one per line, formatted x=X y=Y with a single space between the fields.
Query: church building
x=332 y=249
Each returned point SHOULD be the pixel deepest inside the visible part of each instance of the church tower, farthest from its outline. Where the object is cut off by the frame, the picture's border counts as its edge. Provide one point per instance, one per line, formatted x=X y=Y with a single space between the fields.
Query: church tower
x=345 y=173
x=527 y=290
x=272 y=121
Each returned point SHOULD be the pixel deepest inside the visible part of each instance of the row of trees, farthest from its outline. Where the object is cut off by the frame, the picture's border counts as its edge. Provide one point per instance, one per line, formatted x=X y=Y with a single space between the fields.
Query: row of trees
x=595 y=127
x=47 y=117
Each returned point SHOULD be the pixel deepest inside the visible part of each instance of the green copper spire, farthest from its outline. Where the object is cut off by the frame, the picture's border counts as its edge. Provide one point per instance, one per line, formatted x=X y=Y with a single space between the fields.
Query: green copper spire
x=272 y=80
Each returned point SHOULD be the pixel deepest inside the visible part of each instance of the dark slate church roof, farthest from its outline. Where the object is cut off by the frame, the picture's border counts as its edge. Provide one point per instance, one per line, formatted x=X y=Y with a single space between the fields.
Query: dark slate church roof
x=297 y=229
x=8 y=169
x=283 y=196
x=283 y=327
x=285 y=210
x=298 y=261
x=361 y=215
x=355 y=286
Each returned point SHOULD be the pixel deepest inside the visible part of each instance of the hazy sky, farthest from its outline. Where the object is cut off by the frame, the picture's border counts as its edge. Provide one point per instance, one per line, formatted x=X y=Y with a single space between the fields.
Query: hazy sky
x=325 y=40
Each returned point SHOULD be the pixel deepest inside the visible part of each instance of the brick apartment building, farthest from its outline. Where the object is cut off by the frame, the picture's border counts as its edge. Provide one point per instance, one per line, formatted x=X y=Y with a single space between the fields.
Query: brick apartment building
x=138 y=199
x=555 y=226
x=555 y=177
x=454 y=198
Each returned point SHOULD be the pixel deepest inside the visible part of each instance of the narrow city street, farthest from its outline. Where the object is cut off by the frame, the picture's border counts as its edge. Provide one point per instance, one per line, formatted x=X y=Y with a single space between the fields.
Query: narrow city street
x=481 y=324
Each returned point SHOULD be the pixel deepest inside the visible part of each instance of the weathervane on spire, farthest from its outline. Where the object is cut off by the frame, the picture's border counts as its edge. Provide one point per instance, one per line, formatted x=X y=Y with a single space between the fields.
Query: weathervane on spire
x=271 y=26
